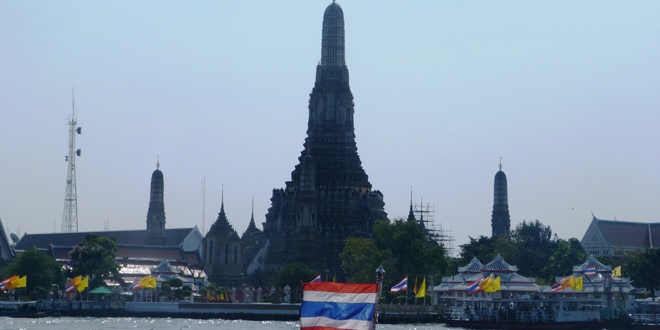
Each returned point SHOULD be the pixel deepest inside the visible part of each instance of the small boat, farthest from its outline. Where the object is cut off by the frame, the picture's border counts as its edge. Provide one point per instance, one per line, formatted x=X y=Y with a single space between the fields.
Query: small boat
x=583 y=314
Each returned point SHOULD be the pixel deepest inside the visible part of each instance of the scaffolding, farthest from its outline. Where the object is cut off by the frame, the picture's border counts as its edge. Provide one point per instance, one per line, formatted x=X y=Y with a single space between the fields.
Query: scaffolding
x=425 y=214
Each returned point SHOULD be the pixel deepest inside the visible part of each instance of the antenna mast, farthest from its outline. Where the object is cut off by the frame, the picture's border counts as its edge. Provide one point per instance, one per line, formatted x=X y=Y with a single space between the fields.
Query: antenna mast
x=204 y=206
x=70 y=214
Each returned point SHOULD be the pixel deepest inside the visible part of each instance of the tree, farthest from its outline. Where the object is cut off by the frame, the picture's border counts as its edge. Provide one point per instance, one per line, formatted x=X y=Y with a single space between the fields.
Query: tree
x=40 y=269
x=94 y=258
x=644 y=269
x=359 y=259
x=482 y=248
x=292 y=274
x=401 y=246
x=568 y=254
x=534 y=244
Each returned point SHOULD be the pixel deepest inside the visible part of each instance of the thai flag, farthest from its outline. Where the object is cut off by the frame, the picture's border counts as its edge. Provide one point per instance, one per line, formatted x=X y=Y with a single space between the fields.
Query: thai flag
x=69 y=287
x=136 y=286
x=4 y=282
x=328 y=305
x=403 y=285
x=557 y=286
x=590 y=271
x=473 y=287
x=317 y=278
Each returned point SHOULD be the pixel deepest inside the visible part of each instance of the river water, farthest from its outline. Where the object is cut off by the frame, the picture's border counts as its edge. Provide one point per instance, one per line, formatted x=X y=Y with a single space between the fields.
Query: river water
x=89 y=323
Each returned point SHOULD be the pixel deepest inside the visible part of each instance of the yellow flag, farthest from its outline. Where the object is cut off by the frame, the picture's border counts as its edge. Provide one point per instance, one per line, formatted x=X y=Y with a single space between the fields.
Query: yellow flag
x=421 y=292
x=493 y=285
x=415 y=286
x=145 y=282
x=151 y=283
x=568 y=282
x=84 y=283
x=616 y=272
x=485 y=282
x=76 y=280
x=577 y=284
x=19 y=282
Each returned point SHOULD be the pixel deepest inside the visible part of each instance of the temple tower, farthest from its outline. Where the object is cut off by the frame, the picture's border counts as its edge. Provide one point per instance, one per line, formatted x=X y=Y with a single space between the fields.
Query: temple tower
x=329 y=196
x=222 y=251
x=500 y=221
x=156 y=212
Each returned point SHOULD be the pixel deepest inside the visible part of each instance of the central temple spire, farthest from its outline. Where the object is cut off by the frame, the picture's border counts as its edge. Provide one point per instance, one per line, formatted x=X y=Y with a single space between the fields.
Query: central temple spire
x=329 y=197
x=332 y=45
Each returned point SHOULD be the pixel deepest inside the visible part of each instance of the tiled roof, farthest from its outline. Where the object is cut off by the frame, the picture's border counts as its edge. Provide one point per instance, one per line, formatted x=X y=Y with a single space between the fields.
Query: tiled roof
x=474 y=266
x=499 y=264
x=592 y=261
x=630 y=234
x=43 y=241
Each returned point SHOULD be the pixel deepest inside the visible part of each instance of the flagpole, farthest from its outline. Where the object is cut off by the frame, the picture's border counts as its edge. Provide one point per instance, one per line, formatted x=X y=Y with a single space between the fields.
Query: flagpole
x=379 y=280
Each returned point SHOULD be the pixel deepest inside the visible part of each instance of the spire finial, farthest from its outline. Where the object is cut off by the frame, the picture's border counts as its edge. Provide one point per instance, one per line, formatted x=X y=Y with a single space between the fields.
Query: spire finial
x=157 y=162
x=500 y=163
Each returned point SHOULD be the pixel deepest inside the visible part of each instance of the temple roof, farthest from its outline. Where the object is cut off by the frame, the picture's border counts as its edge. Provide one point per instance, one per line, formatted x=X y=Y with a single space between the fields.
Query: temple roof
x=474 y=266
x=163 y=268
x=175 y=237
x=630 y=234
x=592 y=261
x=499 y=265
x=221 y=227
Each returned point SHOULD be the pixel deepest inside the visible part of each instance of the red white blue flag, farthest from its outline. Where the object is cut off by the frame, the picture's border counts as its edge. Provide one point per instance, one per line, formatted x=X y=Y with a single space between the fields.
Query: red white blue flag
x=317 y=278
x=69 y=287
x=328 y=305
x=474 y=287
x=403 y=285
x=590 y=271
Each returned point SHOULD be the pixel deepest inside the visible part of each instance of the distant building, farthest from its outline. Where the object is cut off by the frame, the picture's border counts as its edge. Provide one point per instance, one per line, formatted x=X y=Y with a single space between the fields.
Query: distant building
x=512 y=284
x=329 y=197
x=613 y=238
x=139 y=251
x=6 y=248
x=223 y=262
x=500 y=220
x=156 y=212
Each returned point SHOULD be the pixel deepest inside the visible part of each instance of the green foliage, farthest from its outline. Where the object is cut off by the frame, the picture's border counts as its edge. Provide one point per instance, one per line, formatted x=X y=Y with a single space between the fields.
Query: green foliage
x=203 y=291
x=644 y=269
x=360 y=258
x=534 y=244
x=482 y=248
x=531 y=248
x=292 y=274
x=567 y=254
x=175 y=282
x=165 y=288
x=40 y=269
x=95 y=258
x=401 y=246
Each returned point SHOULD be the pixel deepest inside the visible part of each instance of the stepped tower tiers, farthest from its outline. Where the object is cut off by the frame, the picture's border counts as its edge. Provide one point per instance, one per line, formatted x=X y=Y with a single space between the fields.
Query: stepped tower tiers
x=500 y=221
x=329 y=196
x=156 y=212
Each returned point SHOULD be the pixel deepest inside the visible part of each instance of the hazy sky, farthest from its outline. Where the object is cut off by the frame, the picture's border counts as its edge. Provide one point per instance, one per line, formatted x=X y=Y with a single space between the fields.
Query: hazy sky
x=565 y=92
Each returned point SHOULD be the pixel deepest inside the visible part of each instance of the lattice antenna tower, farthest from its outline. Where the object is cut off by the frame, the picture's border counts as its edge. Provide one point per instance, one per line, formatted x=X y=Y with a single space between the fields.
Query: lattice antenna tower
x=70 y=214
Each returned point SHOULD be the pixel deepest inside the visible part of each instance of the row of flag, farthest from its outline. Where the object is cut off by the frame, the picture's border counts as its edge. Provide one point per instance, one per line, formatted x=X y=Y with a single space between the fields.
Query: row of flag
x=591 y=271
x=488 y=284
x=420 y=292
x=318 y=279
x=575 y=283
x=78 y=283
x=147 y=282
x=13 y=282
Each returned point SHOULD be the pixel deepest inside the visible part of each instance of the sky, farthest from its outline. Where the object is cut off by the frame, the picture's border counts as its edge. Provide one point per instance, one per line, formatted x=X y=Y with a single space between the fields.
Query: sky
x=565 y=93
